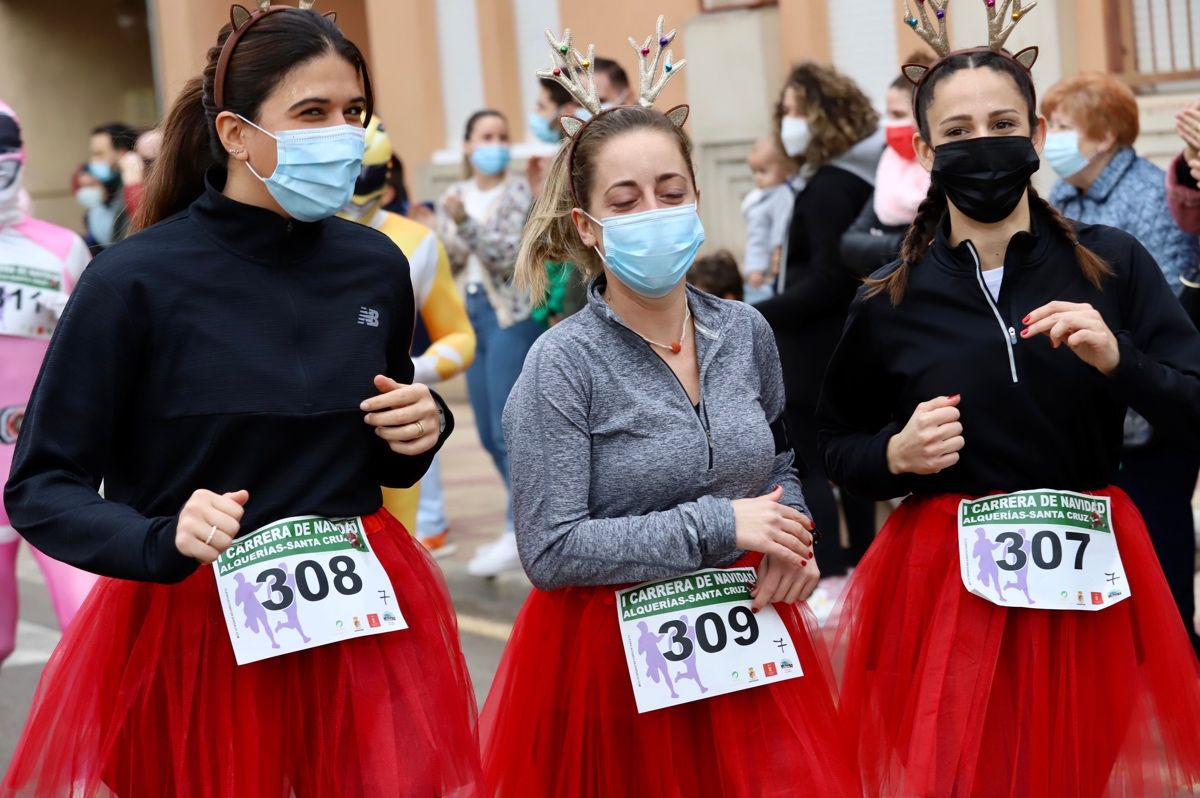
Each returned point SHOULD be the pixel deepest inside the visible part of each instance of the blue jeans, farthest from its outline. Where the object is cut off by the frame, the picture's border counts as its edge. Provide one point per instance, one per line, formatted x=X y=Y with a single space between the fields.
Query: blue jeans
x=499 y=356
x=431 y=506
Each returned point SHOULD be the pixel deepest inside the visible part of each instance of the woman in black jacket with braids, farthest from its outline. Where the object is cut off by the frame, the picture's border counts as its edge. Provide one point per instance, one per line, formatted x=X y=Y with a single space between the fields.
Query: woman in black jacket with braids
x=1023 y=644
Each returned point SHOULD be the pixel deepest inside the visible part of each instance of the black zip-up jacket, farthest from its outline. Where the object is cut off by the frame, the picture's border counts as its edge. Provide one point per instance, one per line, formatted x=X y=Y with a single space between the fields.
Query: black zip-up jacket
x=225 y=348
x=1033 y=416
x=868 y=245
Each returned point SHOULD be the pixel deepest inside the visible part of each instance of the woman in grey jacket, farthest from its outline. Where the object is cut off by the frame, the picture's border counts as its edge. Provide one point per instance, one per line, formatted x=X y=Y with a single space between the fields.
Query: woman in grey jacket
x=646 y=445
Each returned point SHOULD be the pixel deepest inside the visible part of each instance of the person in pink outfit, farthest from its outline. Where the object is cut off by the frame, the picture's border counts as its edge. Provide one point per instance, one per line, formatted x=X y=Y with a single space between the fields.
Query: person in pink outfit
x=39 y=264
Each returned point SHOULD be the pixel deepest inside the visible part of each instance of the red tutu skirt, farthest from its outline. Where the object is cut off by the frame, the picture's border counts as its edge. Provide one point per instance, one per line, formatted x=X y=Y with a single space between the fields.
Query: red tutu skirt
x=945 y=694
x=561 y=718
x=143 y=698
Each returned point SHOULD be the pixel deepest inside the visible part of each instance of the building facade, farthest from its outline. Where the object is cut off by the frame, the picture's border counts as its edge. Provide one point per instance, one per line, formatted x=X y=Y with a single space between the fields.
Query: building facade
x=436 y=61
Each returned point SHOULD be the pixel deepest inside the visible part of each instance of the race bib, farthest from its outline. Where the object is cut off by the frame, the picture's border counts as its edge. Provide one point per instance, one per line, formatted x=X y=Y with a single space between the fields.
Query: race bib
x=300 y=583
x=28 y=297
x=694 y=637
x=1041 y=549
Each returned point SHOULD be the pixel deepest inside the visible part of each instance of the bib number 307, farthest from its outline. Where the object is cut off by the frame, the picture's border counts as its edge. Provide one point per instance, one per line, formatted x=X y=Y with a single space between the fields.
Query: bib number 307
x=1041 y=549
x=694 y=637
x=303 y=582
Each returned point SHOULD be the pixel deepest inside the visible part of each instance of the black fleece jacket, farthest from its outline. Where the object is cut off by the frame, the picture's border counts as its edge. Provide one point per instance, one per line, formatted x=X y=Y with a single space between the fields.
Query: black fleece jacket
x=1033 y=416
x=224 y=348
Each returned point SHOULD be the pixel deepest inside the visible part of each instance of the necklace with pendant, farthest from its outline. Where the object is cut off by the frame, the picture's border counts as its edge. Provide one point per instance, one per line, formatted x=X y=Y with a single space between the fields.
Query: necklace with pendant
x=676 y=346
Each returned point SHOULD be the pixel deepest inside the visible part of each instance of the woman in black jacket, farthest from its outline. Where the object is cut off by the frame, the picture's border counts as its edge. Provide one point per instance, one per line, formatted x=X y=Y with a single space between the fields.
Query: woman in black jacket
x=829 y=127
x=237 y=376
x=1026 y=645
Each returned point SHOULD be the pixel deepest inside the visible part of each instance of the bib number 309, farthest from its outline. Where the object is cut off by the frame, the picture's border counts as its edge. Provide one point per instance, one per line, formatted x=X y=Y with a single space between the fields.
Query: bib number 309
x=1041 y=549
x=303 y=582
x=694 y=637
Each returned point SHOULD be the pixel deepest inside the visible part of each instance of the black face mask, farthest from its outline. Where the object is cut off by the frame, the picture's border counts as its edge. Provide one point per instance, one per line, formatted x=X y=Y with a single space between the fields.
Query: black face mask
x=985 y=177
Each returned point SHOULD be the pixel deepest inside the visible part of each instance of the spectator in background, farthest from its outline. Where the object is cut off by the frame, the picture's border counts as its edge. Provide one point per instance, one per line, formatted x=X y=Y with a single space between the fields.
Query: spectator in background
x=480 y=221
x=553 y=103
x=901 y=183
x=98 y=187
x=717 y=274
x=612 y=84
x=1183 y=197
x=134 y=165
x=827 y=125
x=1093 y=125
x=768 y=212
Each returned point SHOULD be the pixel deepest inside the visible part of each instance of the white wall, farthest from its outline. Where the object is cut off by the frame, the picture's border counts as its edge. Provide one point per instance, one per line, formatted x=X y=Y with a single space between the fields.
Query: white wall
x=863 y=44
x=460 y=65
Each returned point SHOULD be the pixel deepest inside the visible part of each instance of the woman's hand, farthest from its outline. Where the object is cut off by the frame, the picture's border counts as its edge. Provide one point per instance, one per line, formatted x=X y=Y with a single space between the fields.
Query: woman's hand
x=208 y=524
x=1081 y=328
x=421 y=214
x=453 y=205
x=930 y=441
x=1187 y=125
x=406 y=416
x=765 y=525
x=782 y=582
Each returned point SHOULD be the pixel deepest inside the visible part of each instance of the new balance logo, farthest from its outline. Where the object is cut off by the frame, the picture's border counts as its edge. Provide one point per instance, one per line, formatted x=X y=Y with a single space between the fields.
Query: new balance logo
x=368 y=316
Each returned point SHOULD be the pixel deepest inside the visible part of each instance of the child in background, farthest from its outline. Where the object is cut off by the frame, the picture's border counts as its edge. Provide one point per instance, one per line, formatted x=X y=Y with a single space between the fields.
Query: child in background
x=768 y=211
x=717 y=274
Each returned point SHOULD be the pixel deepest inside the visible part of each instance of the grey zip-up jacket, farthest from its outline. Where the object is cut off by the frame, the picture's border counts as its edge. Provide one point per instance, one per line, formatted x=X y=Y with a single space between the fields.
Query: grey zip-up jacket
x=616 y=477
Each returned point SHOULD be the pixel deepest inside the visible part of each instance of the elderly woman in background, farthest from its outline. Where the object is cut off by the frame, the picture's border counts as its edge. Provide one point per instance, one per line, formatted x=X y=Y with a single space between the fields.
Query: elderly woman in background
x=1093 y=125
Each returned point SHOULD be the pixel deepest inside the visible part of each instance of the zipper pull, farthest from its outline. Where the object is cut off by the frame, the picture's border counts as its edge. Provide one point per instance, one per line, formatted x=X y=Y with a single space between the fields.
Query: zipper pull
x=1012 y=335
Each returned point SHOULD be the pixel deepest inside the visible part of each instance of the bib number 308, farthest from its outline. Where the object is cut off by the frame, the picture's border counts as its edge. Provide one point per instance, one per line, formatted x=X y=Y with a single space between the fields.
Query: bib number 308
x=303 y=582
x=311 y=582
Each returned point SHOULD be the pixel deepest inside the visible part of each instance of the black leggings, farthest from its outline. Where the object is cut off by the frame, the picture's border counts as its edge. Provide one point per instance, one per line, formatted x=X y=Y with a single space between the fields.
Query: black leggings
x=1160 y=478
x=859 y=513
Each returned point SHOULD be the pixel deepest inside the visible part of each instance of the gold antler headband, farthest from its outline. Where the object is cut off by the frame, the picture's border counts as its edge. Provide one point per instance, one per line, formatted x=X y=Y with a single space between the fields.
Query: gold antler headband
x=999 y=28
x=242 y=19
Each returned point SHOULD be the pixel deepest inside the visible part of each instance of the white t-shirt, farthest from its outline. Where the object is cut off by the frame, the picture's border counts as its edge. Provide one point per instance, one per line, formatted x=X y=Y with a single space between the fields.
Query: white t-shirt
x=480 y=205
x=993 y=278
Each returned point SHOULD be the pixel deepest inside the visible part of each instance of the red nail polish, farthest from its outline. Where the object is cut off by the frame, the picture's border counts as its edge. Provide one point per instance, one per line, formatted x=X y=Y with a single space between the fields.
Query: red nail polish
x=1025 y=320
x=803 y=563
x=1025 y=333
x=956 y=397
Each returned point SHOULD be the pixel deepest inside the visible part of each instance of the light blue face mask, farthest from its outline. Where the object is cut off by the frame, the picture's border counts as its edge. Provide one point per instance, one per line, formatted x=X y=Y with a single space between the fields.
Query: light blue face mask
x=491 y=159
x=1062 y=153
x=101 y=170
x=651 y=251
x=315 y=169
x=542 y=129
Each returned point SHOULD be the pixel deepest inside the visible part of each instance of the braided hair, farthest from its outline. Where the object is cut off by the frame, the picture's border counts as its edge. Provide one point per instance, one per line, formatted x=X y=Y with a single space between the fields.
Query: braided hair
x=933 y=208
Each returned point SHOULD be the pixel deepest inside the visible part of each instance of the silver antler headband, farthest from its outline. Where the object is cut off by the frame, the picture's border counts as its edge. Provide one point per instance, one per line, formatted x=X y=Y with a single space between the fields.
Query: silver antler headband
x=1001 y=22
x=575 y=72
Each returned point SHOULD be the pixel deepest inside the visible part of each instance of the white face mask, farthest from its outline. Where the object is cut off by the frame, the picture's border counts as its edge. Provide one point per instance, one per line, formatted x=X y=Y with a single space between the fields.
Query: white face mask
x=795 y=135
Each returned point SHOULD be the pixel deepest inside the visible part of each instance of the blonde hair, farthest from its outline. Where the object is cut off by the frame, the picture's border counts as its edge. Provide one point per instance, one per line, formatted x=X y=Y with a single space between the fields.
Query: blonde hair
x=550 y=233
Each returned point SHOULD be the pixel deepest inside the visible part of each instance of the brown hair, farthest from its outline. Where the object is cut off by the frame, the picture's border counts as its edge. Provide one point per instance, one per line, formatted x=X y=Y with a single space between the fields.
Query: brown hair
x=839 y=114
x=277 y=44
x=931 y=211
x=717 y=274
x=1098 y=104
x=473 y=120
x=550 y=233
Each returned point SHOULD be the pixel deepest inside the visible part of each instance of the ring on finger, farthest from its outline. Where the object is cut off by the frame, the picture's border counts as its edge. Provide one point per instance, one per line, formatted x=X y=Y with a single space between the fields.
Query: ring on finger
x=211 y=533
x=420 y=429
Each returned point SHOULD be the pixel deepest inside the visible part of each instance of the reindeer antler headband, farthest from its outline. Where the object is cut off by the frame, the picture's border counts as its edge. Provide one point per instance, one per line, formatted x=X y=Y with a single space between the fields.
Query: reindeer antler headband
x=242 y=20
x=575 y=72
x=1001 y=22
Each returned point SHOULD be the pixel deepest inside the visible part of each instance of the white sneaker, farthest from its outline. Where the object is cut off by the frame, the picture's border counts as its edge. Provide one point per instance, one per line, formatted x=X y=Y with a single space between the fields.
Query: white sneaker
x=495 y=558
